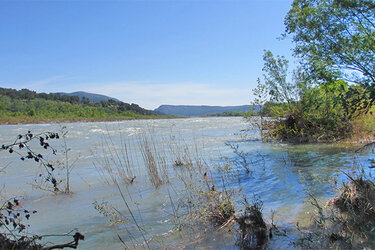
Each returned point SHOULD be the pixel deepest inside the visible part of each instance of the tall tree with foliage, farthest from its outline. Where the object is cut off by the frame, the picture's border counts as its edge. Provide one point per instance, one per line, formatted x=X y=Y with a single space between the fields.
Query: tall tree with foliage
x=276 y=79
x=335 y=39
x=261 y=97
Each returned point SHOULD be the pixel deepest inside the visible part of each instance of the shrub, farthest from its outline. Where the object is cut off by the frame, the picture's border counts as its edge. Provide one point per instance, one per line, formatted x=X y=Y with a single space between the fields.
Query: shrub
x=13 y=233
x=356 y=202
x=253 y=230
x=217 y=207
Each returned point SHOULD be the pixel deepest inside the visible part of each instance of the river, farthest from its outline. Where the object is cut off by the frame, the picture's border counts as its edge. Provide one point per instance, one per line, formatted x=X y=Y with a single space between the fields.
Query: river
x=282 y=176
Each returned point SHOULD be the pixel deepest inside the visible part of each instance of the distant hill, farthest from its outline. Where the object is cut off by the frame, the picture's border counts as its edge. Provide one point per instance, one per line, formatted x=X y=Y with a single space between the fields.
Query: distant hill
x=92 y=97
x=190 y=110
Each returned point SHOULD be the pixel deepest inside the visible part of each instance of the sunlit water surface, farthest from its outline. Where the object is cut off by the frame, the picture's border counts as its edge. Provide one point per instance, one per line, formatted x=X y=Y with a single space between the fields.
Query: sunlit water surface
x=282 y=176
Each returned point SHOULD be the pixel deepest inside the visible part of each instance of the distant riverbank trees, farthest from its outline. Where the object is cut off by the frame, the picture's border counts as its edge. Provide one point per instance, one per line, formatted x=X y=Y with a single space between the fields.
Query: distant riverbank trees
x=28 y=106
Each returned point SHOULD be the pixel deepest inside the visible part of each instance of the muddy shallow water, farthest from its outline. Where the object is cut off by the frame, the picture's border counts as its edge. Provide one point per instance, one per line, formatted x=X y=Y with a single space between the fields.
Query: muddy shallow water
x=281 y=175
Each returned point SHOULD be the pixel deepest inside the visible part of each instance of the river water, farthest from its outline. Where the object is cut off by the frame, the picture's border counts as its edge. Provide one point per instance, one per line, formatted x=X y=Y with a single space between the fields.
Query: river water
x=282 y=176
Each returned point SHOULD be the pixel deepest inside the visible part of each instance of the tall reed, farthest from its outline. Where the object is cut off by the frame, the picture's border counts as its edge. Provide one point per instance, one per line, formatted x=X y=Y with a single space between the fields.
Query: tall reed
x=117 y=160
x=113 y=162
x=149 y=155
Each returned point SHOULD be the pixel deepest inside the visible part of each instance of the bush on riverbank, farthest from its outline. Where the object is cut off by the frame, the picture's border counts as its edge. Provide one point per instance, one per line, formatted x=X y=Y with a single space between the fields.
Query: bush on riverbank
x=306 y=111
x=318 y=116
x=322 y=119
x=363 y=127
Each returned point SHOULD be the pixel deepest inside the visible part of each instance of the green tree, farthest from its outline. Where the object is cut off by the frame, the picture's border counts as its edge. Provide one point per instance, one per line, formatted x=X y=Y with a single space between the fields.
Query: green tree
x=335 y=38
x=276 y=79
x=260 y=98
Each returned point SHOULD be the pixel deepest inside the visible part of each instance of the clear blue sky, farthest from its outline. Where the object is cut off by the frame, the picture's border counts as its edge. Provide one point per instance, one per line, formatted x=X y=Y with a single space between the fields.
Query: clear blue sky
x=146 y=52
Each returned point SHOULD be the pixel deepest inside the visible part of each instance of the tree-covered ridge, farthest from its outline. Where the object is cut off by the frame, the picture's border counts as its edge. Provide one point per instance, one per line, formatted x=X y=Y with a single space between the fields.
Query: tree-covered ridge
x=28 y=106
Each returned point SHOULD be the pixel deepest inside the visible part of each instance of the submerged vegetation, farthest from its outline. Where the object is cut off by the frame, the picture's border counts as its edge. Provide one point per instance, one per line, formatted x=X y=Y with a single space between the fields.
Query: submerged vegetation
x=253 y=229
x=347 y=220
x=206 y=202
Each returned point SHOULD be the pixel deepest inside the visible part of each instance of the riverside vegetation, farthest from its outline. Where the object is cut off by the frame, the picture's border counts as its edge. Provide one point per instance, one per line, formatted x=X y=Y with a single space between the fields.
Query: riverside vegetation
x=330 y=96
x=25 y=106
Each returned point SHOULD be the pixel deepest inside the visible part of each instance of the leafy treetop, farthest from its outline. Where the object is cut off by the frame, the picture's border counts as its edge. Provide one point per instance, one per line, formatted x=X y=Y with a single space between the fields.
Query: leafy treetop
x=335 y=38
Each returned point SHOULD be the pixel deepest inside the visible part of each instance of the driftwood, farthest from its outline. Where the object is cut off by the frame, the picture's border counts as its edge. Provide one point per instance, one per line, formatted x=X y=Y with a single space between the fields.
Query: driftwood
x=73 y=244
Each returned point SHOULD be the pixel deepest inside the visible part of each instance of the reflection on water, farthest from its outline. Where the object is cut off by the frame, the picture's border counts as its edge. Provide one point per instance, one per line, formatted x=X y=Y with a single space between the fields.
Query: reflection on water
x=281 y=175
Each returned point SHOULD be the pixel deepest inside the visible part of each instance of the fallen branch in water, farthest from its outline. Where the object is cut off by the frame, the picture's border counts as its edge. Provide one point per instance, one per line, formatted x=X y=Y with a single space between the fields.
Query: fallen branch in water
x=371 y=144
x=73 y=244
